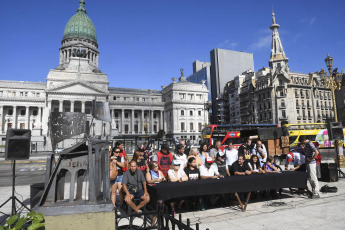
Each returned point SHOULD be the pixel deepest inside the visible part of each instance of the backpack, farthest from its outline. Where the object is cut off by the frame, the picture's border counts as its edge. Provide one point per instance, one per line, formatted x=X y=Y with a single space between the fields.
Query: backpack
x=326 y=189
x=113 y=171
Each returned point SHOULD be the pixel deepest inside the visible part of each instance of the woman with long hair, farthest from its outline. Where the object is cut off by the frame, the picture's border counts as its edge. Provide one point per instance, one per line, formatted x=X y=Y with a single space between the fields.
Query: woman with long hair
x=116 y=185
x=121 y=146
x=204 y=152
x=138 y=156
x=254 y=164
x=154 y=175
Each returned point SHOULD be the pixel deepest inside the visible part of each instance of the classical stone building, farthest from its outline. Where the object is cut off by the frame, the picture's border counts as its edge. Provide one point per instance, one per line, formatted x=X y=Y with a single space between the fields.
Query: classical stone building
x=277 y=95
x=77 y=81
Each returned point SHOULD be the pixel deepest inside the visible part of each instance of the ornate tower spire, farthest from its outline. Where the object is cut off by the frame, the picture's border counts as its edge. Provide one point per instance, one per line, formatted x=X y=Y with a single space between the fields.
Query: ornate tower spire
x=278 y=59
x=81 y=6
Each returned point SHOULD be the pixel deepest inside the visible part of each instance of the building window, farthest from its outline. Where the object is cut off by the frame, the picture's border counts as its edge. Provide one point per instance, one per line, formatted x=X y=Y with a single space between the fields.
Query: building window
x=116 y=114
x=182 y=96
x=37 y=94
x=126 y=128
x=10 y=112
x=155 y=128
x=135 y=115
x=191 y=126
x=199 y=126
x=191 y=113
x=154 y=115
x=22 y=125
x=21 y=94
x=280 y=82
x=182 y=112
x=282 y=103
x=22 y=112
x=126 y=115
x=34 y=112
x=25 y=94
x=114 y=98
x=136 y=128
x=199 y=113
x=182 y=126
x=283 y=113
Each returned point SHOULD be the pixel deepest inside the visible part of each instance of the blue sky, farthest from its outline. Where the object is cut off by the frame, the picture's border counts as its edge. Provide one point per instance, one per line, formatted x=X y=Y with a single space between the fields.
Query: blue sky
x=144 y=43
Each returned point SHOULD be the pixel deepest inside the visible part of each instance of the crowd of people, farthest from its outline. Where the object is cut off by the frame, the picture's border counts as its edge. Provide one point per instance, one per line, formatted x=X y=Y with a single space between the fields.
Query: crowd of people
x=204 y=163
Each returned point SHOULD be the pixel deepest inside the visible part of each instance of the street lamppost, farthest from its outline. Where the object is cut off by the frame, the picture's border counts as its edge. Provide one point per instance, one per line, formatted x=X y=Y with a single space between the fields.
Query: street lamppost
x=149 y=92
x=333 y=82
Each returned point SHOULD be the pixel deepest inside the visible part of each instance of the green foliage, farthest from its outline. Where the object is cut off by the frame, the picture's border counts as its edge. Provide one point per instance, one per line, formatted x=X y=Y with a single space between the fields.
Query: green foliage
x=33 y=219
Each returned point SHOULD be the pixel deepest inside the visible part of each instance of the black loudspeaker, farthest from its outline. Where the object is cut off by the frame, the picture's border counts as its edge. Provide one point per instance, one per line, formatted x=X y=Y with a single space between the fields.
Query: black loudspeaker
x=335 y=131
x=269 y=133
x=329 y=172
x=17 y=144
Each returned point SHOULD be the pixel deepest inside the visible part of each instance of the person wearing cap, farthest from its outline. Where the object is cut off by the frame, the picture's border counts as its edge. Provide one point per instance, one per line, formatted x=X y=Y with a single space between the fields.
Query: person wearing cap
x=180 y=156
x=239 y=168
x=164 y=159
x=175 y=174
x=221 y=164
x=215 y=150
x=298 y=161
x=209 y=170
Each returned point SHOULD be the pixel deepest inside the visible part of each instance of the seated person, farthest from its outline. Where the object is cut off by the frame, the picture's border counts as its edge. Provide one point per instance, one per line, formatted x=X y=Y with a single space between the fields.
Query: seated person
x=175 y=174
x=298 y=161
x=260 y=150
x=208 y=170
x=191 y=170
x=239 y=168
x=269 y=166
x=154 y=175
x=196 y=155
x=221 y=164
x=134 y=186
x=254 y=165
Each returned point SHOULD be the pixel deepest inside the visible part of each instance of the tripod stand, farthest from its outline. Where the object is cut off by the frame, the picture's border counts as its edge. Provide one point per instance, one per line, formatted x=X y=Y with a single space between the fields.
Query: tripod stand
x=341 y=174
x=13 y=198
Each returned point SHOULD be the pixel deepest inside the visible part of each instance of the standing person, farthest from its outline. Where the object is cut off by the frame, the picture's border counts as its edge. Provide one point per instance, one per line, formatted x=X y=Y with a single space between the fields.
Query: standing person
x=116 y=184
x=164 y=159
x=231 y=155
x=215 y=150
x=192 y=170
x=239 y=168
x=121 y=146
x=180 y=156
x=307 y=148
x=298 y=160
x=260 y=150
x=138 y=156
x=186 y=148
x=204 y=152
x=245 y=149
x=134 y=186
x=221 y=165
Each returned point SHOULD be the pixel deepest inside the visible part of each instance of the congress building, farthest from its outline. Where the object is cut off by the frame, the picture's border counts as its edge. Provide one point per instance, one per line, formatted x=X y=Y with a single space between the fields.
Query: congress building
x=178 y=109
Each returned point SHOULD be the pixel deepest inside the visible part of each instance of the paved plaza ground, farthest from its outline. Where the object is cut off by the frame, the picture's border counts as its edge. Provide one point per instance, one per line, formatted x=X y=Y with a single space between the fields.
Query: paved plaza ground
x=288 y=212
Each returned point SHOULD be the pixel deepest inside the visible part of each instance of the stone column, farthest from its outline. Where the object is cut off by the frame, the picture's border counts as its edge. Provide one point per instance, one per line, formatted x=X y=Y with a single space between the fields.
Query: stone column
x=97 y=61
x=161 y=120
x=2 y=119
x=72 y=106
x=27 y=113
x=83 y=106
x=49 y=106
x=122 y=121
x=14 y=117
x=152 y=131
x=165 y=121
x=142 y=122
x=132 y=121
x=40 y=116
x=60 y=106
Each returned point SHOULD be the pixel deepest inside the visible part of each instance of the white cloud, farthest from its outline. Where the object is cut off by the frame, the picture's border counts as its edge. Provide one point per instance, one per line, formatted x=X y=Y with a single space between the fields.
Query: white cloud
x=227 y=44
x=261 y=42
x=310 y=21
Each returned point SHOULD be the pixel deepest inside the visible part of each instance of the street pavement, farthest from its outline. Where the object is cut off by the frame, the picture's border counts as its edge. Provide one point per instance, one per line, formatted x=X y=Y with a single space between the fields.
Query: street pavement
x=288 y=212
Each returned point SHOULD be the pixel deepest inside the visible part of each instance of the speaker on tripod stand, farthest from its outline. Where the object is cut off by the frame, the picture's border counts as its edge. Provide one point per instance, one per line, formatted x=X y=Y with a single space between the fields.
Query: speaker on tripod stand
x=17 y=148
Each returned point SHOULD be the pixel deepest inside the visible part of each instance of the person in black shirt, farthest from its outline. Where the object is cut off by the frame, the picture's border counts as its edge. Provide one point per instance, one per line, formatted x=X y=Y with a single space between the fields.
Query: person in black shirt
x=116 y=184
x=138 y=157
x=239 y=168
x=245 y=149
x=191 y=170
x=221 y=164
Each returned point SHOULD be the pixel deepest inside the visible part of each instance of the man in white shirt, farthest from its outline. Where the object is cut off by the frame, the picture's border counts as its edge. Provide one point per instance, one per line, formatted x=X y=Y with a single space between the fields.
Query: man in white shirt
x=231 y=154
x=260 y=150
x=208 y=170
x=298 y=161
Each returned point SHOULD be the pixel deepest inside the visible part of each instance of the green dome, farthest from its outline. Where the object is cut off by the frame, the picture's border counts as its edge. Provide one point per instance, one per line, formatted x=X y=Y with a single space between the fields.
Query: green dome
x=80 y=25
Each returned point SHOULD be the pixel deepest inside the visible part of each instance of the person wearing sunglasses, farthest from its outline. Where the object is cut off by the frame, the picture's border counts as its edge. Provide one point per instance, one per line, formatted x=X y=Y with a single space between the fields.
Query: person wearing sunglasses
x=119 y=161
x=138 y=157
